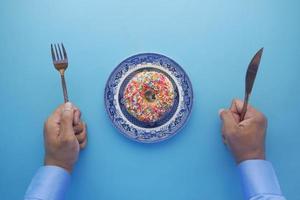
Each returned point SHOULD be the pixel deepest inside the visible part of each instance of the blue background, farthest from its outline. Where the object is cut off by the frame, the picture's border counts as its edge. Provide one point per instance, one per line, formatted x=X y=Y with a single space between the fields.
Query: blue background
x=212 y=40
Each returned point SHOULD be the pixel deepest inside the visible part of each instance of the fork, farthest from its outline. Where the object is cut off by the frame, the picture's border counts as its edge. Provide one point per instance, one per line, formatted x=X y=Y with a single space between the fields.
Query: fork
x=60 y=62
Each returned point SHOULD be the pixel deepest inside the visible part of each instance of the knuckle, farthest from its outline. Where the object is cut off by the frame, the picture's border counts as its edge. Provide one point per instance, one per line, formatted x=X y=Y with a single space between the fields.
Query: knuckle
x=237 y=101
x=224 y=114
x=83 y=134
x=226 y=111
x=80 y=137
x=234 y=100
x=78 y=128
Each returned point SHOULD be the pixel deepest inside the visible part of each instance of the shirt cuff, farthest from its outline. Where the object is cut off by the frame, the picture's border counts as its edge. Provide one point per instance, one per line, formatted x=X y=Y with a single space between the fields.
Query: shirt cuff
x=49 y=183
x=258 y=177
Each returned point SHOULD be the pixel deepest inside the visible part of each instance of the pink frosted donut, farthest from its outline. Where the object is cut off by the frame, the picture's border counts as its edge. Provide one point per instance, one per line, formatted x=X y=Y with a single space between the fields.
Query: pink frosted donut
x=149 y=95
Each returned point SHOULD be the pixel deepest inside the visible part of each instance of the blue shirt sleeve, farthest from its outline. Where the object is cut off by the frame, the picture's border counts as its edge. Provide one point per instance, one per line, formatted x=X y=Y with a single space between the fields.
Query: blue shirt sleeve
x=259 y=180
x=49 y=183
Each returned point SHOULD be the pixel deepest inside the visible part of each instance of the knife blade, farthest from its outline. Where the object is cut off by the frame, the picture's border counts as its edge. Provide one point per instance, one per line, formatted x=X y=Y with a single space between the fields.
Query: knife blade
x=250 y=78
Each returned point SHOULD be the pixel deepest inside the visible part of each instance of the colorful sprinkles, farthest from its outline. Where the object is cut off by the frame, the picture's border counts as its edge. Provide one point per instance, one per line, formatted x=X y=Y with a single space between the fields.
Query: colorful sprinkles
x=149 y=95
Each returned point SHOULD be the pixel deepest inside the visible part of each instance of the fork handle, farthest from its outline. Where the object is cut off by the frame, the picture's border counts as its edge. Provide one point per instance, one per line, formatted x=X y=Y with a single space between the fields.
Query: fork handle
x=245 y=105
x=63 y=83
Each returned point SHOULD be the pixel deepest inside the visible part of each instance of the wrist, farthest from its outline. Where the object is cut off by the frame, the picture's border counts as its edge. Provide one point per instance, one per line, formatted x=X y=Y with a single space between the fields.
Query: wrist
x=250 y=156
x=53 y=162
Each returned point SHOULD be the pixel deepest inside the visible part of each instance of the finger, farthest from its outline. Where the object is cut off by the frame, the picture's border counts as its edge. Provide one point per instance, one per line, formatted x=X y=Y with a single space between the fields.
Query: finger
x=81 y=137
x=255 y=116
x=78 y=128
x=77 y=115
x=251 y=111
x=66 y=123
x=83 y=144
x=234 y=108
x=52 y=124
x=237 y=107
x=223 y=136
x=55 y=116
x=229 y=123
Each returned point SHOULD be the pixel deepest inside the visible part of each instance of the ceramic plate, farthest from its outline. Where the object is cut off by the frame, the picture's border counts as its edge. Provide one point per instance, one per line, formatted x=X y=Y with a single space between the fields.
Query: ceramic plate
x=148 y=97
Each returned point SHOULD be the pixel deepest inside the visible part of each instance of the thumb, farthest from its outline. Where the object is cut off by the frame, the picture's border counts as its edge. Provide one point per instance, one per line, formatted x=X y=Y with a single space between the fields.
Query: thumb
x=229 y=123
x=66 y=124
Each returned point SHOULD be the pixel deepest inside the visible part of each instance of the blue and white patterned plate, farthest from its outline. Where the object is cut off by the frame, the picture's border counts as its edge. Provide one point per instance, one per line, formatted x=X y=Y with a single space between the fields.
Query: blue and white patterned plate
x=169 y=124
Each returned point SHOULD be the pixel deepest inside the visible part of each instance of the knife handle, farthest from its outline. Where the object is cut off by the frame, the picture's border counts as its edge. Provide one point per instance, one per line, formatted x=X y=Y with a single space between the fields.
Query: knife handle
x=245 y=105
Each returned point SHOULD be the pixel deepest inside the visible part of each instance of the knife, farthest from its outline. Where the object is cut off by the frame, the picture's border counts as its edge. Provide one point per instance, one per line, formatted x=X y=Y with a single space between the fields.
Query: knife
x=250 y=78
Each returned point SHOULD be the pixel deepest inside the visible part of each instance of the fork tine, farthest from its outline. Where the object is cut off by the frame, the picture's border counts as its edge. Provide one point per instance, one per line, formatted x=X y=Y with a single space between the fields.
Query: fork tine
x=52 y=52
x=64 y=51
x=56 y=52
x=61 y=57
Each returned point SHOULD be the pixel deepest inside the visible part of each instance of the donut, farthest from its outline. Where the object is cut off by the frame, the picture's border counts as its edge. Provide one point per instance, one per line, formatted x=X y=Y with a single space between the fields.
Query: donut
x=148 y=96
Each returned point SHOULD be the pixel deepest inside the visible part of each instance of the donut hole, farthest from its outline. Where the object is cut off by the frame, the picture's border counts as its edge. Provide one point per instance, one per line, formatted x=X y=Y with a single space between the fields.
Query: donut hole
x=150 y=96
